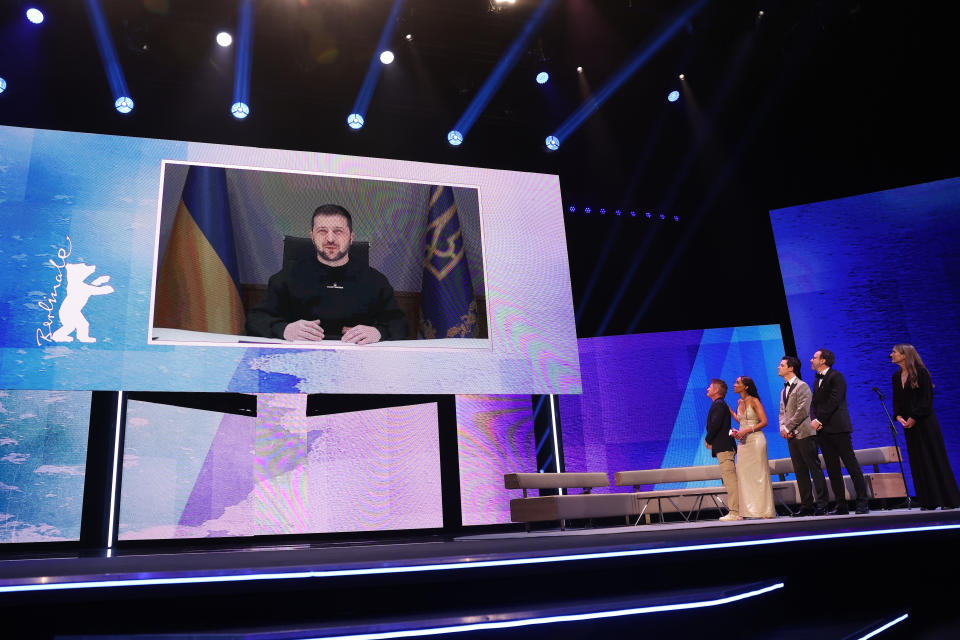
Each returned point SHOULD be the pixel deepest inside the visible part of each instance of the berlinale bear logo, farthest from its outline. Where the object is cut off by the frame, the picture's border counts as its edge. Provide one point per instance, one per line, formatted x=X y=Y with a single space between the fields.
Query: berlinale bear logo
x=77 y=294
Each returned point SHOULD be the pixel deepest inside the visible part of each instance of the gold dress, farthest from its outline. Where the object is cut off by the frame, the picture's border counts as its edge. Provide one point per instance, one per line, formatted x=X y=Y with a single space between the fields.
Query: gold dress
x=753 y=471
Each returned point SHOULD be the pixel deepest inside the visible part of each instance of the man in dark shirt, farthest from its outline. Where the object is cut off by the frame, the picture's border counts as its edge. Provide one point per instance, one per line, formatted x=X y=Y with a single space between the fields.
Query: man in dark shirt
x=722 y=445
x=330 y=297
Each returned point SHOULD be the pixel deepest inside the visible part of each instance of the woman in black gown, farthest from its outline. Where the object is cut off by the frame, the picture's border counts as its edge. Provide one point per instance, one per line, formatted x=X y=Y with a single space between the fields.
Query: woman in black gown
x=913 y=405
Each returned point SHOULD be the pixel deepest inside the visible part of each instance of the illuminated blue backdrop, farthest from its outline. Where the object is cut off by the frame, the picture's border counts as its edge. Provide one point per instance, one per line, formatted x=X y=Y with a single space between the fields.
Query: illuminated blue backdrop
x=866 y=272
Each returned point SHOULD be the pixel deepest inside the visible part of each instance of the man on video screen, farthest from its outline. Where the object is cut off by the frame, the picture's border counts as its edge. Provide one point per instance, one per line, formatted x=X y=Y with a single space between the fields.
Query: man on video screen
x=330 y=297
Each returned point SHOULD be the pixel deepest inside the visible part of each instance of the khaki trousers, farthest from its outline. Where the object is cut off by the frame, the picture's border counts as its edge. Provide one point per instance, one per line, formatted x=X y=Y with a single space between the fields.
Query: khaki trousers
x=728 y=473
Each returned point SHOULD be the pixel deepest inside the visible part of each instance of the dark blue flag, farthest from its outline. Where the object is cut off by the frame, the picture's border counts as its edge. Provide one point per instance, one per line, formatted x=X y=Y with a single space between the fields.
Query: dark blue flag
x=448 y=307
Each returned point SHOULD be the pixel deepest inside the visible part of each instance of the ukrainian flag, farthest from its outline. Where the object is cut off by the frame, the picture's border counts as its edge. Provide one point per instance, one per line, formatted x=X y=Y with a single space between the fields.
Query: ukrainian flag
x=198 y=287
x=448 y=308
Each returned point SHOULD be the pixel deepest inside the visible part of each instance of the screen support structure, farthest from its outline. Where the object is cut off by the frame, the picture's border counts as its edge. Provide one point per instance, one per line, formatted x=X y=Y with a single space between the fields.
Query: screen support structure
x=546 y=433
x=101 y=488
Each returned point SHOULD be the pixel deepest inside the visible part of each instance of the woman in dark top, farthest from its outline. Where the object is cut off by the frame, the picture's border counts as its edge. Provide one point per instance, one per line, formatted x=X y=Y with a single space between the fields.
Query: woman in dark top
x=913 y=405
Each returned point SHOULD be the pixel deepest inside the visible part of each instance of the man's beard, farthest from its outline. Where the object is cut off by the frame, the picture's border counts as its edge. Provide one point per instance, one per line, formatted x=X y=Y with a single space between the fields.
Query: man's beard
x=336 y=257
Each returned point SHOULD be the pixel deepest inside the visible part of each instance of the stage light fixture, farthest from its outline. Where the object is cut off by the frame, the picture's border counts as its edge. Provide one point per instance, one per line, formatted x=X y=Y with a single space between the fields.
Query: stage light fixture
x=34 y=15
x=648 y=214
x=240 y=110
x=542 y=77
x=455 y=138
x=673 y=96
x=676 y=218
x=682 y=77
x=619 y=212
x=579 y=69
x=663 y=217
x=408 y=37
x=224 y=39
x=603 y=211
x=587 y=210
x=124 y=104
x=633 y=214
x=552 y=142
x=355 y=121
x=3 y=85
x=572 y=209
x=386 y=57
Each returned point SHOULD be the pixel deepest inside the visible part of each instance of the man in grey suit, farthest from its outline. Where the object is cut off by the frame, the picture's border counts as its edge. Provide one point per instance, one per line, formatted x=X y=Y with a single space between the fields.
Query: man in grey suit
x=796 y=428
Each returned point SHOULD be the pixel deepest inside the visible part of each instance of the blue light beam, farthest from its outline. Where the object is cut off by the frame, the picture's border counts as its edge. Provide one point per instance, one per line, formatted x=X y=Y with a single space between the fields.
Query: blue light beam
x=240 y=106
x=108 y=54
x=362 y=103
x=644 y=53
x=499 y=73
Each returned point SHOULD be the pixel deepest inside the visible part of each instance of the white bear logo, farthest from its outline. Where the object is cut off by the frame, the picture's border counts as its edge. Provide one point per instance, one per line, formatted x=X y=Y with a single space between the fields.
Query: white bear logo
x=78 y=292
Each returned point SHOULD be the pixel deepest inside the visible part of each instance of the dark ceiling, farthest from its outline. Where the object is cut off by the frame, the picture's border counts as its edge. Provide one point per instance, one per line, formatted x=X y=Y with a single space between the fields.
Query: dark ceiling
x=813 y=100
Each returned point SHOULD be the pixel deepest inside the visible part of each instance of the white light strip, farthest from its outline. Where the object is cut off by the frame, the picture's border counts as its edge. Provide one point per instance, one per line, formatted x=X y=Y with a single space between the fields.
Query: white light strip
x=884 y=627
x=553 y=429
x=113 y=480
x=507 y=624
x=340 y=573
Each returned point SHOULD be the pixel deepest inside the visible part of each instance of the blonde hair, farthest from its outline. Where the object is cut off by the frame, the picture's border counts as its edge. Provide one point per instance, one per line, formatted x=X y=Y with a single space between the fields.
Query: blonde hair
x=912 y=362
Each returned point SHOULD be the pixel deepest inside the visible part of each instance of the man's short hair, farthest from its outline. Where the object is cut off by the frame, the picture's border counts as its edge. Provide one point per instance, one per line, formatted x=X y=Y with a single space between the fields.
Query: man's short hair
x=721 y=385
x=794 y=363
x=332 y=210
x=828 y=356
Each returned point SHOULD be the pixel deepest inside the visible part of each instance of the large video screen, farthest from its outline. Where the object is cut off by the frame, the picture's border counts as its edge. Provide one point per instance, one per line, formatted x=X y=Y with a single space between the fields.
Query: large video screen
x=494 y=437
x=190 y=473
x=43 y=450
x=644 y=403
x=161 y=265
x=867 y=272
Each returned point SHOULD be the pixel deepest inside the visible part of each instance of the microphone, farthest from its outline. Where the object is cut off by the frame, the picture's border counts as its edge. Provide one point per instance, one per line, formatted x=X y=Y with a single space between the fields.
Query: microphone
x=879 y=395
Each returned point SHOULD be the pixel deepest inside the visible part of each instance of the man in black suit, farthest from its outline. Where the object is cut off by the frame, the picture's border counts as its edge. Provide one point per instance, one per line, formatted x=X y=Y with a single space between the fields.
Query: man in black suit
x=722 y=445
x=829 y=416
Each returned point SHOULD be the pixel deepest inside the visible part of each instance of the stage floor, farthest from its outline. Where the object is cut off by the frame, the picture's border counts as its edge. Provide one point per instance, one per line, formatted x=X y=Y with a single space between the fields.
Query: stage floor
x=38 y=570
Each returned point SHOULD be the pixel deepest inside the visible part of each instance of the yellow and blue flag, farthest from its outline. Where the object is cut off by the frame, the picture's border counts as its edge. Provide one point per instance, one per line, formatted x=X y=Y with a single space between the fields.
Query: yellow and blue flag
x=448 y=307
x=198 y=287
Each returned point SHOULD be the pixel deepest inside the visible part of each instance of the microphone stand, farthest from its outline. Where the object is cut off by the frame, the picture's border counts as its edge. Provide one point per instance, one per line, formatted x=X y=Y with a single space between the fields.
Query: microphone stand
x=893 y=432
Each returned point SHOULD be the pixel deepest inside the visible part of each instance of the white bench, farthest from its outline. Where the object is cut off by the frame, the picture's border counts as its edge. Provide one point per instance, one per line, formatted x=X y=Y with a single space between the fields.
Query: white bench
x=686 y=501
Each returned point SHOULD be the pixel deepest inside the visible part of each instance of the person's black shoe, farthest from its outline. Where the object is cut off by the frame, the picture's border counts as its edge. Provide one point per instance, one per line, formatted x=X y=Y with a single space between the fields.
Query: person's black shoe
x=839 y=511
x=862 y=509
x=802 y=513
x=820 y=512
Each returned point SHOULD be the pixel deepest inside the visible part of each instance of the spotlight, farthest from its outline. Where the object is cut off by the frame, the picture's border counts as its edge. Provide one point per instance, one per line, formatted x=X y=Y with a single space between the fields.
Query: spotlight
x=619 y=212
x=408 y=37
x=648 y=214
x=355 y=121
x=633 y=214
x=673 y=96
x=676 y=218
x=682 y=76
x=455 y=138
x=603 y=211
x=587 y=209
x=579 y=69
x=663 y=217
x=386 y=57
x=124 y=104
x=572 y=209
x=552 y=142
x=3 y=85
x=240 y=110
x=224 y=39
x=542 y=77
x=34 y=15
